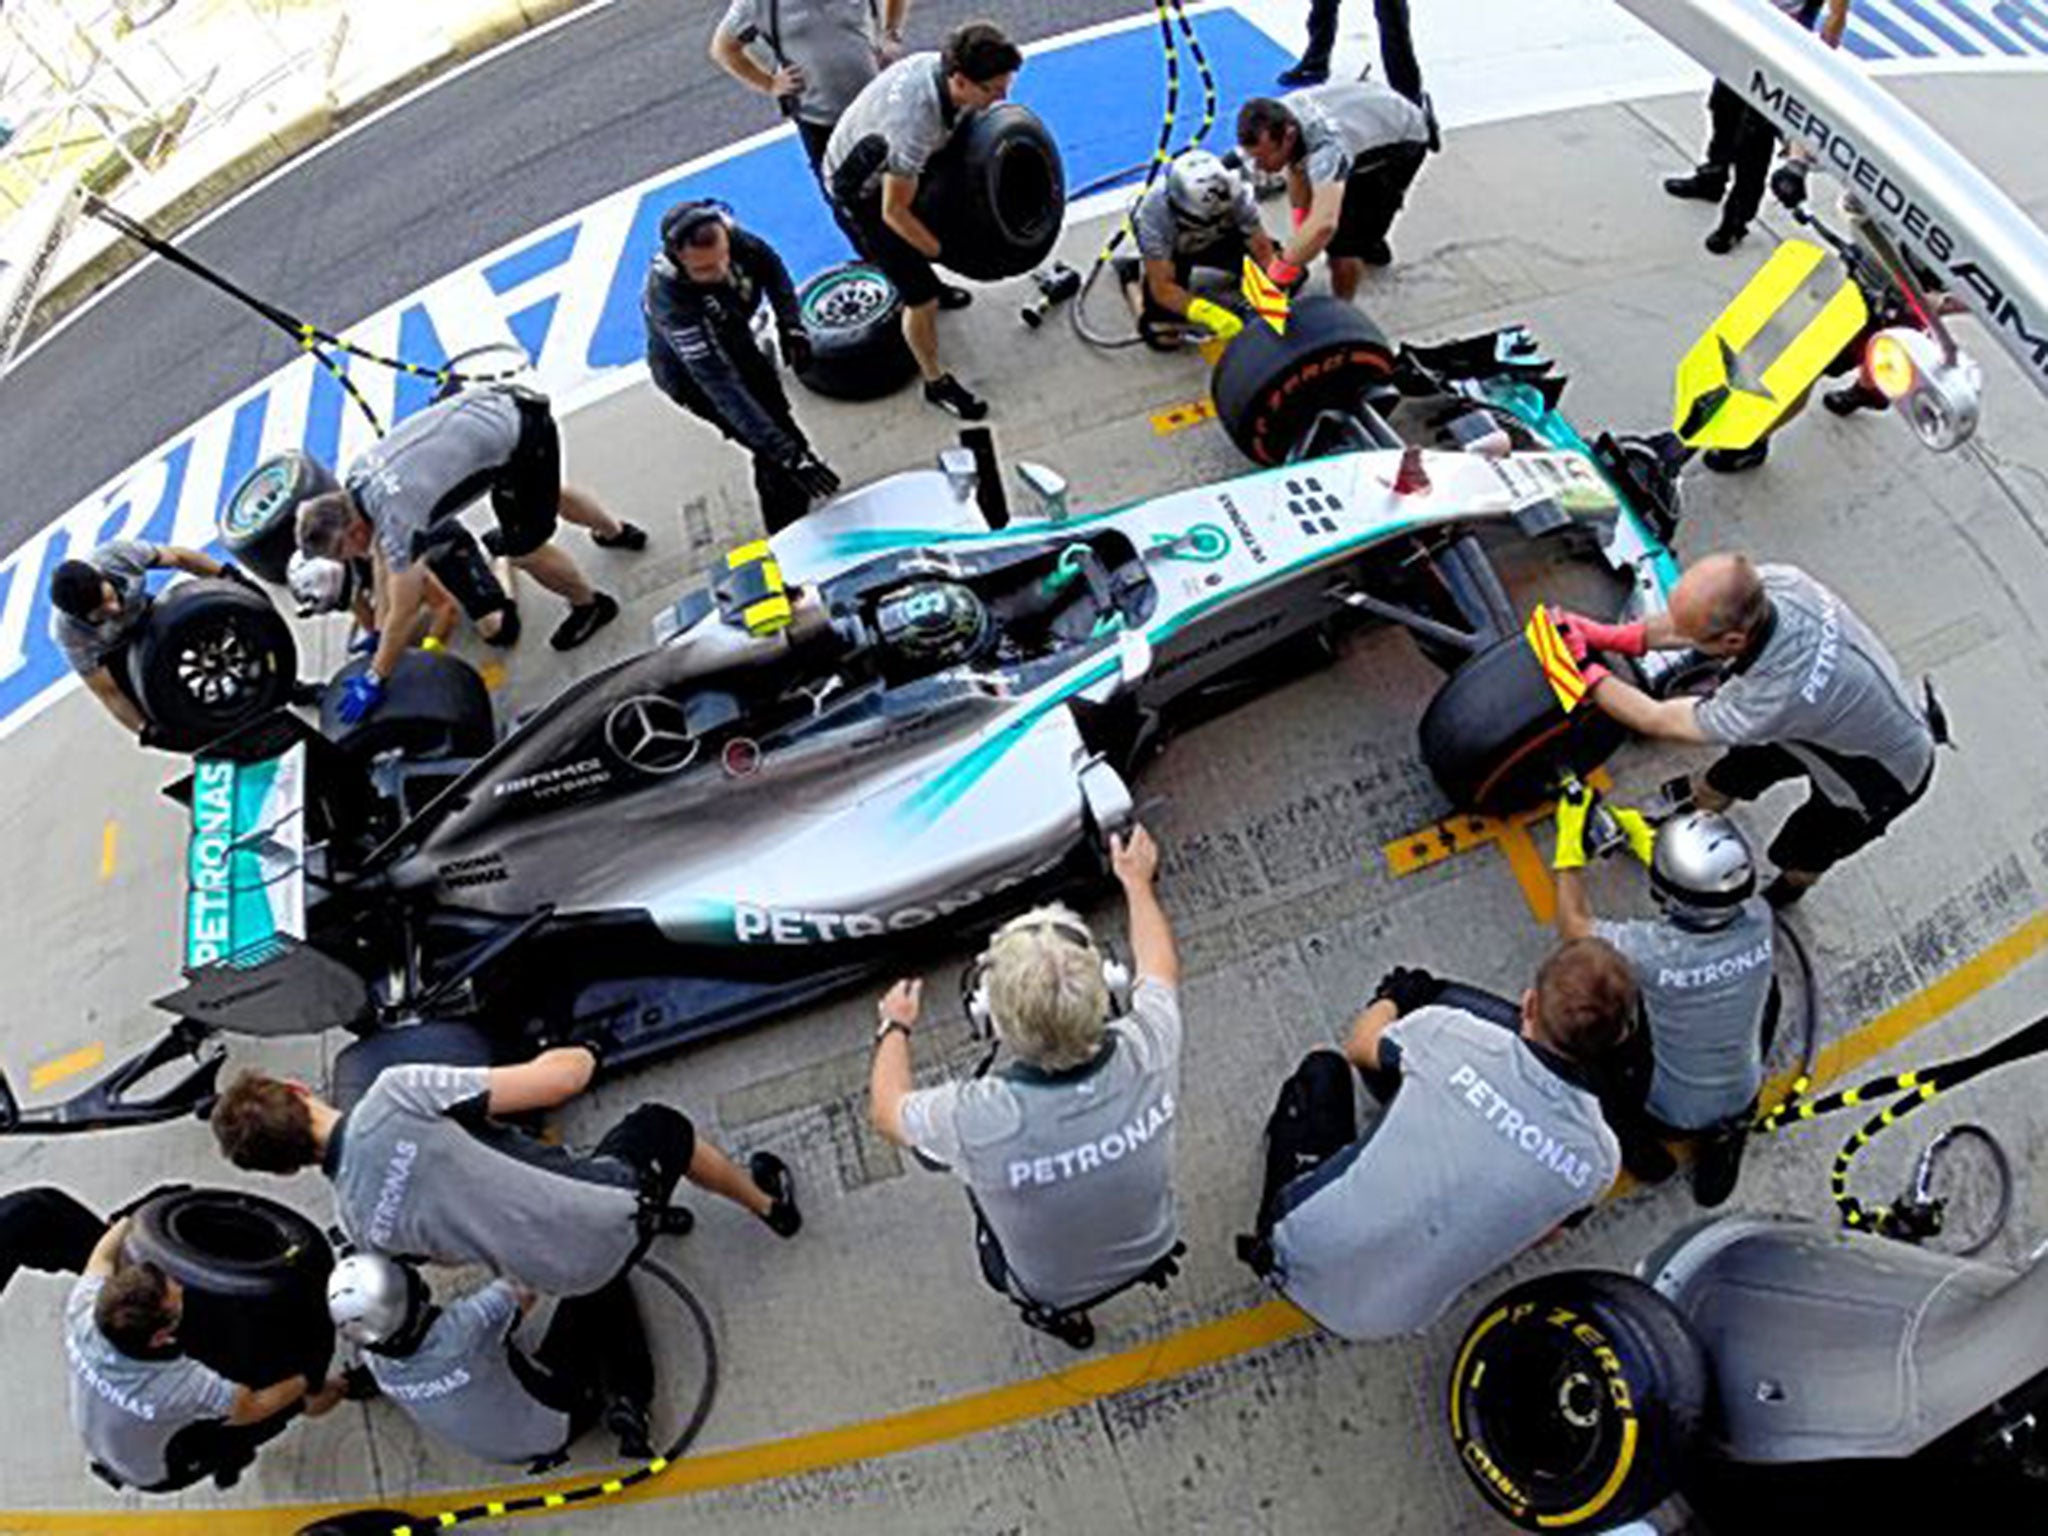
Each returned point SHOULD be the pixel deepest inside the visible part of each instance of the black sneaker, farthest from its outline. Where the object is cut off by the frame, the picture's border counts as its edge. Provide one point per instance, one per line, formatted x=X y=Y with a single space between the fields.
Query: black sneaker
x=626 y=1421
x=1782 y=893
x=949 y=394
x=507 y=632
x=1725 y=237
x=953 y=296
x=1717 y=1165
x=630 y=536
x=584 y=621
x=1851 y=398
x=1376 y=253
x=1307 y=72
x=1733 y=461
x=305 y=694
x=772 y=1174
x=1700 y=186
x=1647 y=1159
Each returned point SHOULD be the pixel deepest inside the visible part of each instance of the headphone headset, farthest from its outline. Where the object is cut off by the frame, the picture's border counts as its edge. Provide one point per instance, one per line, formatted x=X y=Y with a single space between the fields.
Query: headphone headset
x=1116 y=976
x=685 y=219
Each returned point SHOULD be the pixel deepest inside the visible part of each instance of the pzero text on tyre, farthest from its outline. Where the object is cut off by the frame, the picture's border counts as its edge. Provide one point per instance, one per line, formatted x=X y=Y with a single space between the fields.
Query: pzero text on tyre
x=1269 y=388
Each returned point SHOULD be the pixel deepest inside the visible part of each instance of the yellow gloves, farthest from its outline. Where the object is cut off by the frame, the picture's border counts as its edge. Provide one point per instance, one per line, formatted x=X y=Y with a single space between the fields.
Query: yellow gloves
x=1636 y=828
x=431 y=643
x=1572 y=807
x=1214 y=318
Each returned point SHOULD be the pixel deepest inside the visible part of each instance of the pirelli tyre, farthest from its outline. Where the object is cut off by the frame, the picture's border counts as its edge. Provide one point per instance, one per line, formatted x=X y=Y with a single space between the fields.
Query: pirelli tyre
x=1495 y=738
x=212 y=655
x=995 y=195
x=1577 y=1401
x=259 y=521
x=854 y=318
x=255 y=1279
x=435 y=705
x=1269 y=388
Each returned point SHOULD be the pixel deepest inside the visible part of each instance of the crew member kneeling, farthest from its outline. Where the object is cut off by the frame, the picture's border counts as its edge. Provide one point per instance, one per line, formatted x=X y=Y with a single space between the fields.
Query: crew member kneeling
x=1494 y=1137
x=1199 y=214
x=1067 y=1150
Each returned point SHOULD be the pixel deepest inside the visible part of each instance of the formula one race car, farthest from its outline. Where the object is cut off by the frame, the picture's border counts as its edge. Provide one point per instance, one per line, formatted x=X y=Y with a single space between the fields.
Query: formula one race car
x=903 y=714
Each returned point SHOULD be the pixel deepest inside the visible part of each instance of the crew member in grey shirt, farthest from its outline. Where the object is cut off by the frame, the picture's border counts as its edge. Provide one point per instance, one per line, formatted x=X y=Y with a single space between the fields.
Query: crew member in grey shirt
x=1704 y=969
x=399 y=498
x=875 y=159
x=460 y=1374
x=153 y=1418
x=1806 y=692
x=1067 y=1148
x=1350 y=151
x=1200 y=214
x=97 y=608
x=422 y=1168
x=1488 y=1134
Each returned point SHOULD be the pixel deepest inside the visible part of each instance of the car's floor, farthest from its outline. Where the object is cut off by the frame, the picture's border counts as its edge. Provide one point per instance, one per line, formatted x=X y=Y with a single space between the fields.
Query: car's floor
x=1192 y=1414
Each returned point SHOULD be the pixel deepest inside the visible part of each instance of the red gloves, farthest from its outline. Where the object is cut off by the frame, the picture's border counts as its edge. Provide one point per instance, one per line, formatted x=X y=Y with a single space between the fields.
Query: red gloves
x=1300 y=216
x=1581 y=634
x=1284 y=273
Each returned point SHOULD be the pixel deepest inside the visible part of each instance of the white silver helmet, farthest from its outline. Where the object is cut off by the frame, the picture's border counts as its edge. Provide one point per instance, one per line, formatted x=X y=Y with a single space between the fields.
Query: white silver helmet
x=374 y=1300
x=1702 y=868
x=317 y=584
x=1200 y=188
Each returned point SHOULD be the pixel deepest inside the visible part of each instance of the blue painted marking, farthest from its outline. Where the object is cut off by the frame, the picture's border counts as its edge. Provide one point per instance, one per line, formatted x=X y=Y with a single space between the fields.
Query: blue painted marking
x=418 y=342
x=530 y=325
x=243 y=439
x=2028 y=18
x=322 y=437
x=1900 y=38
x=1939 y=28
x=544 y=255
x=1970 y=18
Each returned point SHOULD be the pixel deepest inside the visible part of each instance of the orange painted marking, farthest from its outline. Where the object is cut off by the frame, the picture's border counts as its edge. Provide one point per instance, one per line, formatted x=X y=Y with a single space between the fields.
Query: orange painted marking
x=1177 y=418
x=493 y=674
x=70 y=1064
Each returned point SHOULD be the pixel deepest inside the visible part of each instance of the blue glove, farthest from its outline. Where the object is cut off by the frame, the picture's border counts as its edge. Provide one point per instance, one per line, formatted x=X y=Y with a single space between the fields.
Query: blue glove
x=360 y=695
x=364 y=644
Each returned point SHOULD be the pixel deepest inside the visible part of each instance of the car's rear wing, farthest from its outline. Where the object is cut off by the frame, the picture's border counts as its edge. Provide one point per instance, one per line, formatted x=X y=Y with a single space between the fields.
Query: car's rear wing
x=1910 y=182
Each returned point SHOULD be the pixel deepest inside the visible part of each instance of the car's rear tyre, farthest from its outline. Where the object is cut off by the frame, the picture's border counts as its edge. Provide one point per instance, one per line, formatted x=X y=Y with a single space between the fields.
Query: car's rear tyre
x=995 y=195
x=212 y=655
x=1269 y=388
x=255 y=1279
x=1577 y=1400
x=259 y=522
x=448 y=1043
x=1495 y=739
x=854 y=318
x=435 y=705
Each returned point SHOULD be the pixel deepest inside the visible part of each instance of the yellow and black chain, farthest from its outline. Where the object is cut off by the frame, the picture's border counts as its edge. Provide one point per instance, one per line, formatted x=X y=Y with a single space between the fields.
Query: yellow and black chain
x=533 y=1503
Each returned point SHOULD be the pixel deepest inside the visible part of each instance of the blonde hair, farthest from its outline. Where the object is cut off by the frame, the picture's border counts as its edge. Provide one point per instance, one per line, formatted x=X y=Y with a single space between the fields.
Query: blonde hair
x=1046 y=994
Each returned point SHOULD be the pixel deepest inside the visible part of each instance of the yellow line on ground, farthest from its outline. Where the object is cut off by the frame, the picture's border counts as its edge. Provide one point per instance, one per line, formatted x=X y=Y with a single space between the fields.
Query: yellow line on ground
x=1192 y=1349
x=110 y=842
x=70 y=1064
x=1177 y=418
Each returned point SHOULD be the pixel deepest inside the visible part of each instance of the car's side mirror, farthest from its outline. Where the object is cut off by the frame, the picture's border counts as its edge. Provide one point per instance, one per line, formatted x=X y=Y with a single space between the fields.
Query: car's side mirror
x=1048 y=486
x=1133 y=655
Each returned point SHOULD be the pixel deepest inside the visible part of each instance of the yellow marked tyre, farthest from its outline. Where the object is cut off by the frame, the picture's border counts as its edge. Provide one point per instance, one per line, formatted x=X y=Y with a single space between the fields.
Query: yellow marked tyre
x=1576 y=1400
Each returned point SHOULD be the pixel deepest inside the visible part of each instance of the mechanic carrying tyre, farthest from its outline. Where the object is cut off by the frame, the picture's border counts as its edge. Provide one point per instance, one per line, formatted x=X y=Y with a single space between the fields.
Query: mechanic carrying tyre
x=1494 y=1138
x=1704 y=969
x=1200 y=214
x=402 y=495
x=422 y=1168
x=100 y=607
x=878 y=154
x=152 y=1418
x=1807 y=691
x=702 y=291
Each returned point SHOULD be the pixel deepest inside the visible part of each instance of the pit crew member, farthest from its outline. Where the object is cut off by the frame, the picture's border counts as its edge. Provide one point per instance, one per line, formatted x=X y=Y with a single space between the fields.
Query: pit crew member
x=1199 y=214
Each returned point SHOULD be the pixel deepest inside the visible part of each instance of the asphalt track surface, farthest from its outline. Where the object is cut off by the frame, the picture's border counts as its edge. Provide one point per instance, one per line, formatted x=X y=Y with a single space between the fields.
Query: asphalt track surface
x=613 y=96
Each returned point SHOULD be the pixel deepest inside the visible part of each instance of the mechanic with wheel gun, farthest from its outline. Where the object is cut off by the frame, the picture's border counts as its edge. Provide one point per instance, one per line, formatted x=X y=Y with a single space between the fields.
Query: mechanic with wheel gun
x=154 y=1419
x=422 y=1168
x=1199 y=214
x=401 y=496
x=1350 y=152
x=813 y=57
x=1488 y=1135
x=98 y=608
x=458 y=1372
x=874 y=161
x=706 y=282
x=1066 y=1150
x=1704 y=971
x=1806 y=691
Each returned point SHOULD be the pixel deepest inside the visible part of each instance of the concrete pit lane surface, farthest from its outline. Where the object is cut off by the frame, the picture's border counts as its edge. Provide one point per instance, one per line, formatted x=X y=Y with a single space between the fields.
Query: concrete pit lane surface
x=869 y=1379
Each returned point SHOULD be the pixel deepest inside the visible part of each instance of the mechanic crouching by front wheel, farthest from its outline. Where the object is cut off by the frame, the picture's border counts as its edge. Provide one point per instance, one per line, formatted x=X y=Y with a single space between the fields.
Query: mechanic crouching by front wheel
x=1488 y=1134
x=1806 y=691
x=1199 y=214
x=707 y=281
x=422 y=1168
x=1704 y=969
x=1066 y=1149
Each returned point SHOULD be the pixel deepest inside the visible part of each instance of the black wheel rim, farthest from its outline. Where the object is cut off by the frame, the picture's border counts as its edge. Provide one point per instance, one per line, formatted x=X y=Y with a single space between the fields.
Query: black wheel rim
x=219 y=668
x=850 y=299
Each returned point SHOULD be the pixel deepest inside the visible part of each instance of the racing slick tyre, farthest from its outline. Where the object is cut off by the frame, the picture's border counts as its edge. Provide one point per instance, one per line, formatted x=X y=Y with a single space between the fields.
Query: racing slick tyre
x=995 y=195
x=259 y=524
x=1495 y=739
x=1270 y=388
x=854 y=318
x=1576 y=1401
x=212 y=655
x=435 y=705
x=255 y=1278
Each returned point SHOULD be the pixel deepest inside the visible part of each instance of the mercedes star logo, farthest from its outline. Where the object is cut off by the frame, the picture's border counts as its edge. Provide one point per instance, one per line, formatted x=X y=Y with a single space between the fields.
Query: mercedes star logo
x=649 y=733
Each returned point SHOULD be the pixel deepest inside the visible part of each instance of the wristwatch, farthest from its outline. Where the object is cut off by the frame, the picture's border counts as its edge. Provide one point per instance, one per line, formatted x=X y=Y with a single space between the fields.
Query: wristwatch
x=885 y=1026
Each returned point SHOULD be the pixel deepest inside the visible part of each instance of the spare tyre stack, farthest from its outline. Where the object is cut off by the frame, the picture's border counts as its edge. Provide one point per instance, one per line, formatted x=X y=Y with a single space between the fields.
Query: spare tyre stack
x=853 y=316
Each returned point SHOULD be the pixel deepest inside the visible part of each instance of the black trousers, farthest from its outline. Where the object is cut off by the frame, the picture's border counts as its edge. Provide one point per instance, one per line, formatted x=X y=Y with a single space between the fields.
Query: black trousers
x=1740 y=144
x=1373 y=193
x=1398 y=66
x=45 y=1229
x=782 y=500
x=217 y=1449
x=814 y=137
x=594 y=1353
